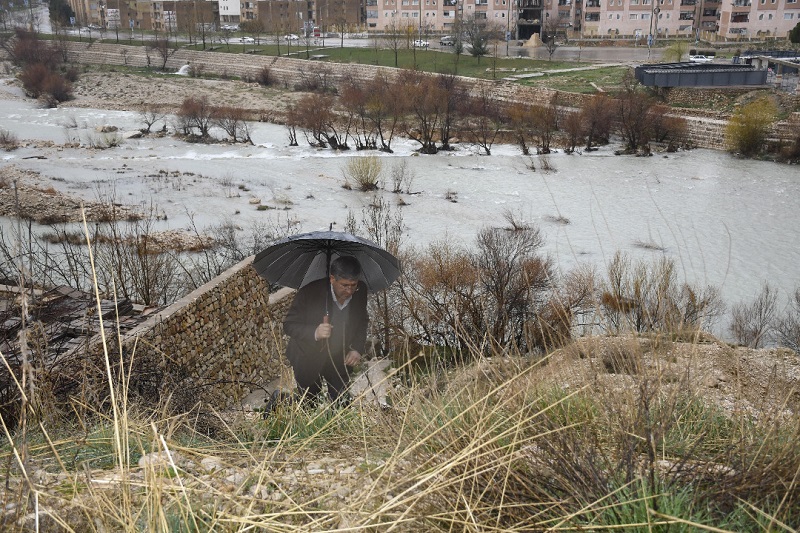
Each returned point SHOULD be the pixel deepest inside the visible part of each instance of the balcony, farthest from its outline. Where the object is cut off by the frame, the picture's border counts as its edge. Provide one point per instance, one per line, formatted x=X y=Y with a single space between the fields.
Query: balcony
x=592 y=3
x=741 y=3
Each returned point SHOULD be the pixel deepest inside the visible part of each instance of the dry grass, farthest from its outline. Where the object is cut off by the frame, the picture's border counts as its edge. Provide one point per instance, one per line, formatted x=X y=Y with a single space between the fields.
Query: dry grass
x=628 y=433
x=506 y=444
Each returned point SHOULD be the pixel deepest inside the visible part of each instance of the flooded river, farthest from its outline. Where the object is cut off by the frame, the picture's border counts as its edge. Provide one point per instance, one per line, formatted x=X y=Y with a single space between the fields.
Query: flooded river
x=726 y=222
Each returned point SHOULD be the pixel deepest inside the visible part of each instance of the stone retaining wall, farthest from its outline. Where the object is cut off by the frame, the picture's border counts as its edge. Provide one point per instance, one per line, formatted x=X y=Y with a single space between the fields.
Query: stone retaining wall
x=213 y=346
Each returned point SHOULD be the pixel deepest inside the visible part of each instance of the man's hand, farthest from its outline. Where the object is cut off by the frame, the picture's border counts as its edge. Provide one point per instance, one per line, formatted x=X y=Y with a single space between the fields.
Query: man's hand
x=352 y=358
x=323 y=331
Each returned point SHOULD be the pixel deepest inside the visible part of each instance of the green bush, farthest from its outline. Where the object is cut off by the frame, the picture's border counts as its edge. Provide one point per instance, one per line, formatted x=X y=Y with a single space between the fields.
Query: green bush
x=748 y=128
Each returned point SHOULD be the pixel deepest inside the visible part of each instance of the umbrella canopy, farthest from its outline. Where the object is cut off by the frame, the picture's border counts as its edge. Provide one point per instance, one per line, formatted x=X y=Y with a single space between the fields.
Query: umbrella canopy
x=301 y=259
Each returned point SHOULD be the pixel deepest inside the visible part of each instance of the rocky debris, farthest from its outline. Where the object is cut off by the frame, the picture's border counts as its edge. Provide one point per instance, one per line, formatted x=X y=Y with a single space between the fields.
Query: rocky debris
x=107 y=90
x=45 y=205
x=178 y=240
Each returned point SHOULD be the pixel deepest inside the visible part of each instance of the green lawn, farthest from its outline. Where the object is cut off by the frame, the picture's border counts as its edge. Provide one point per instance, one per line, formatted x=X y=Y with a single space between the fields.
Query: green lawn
x=607 y=78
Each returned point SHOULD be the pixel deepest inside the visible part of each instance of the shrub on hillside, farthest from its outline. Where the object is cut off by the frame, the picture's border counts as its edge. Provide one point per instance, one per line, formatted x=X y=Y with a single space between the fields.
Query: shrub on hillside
x=749 y=125
x=264 y=77
x=28 y=49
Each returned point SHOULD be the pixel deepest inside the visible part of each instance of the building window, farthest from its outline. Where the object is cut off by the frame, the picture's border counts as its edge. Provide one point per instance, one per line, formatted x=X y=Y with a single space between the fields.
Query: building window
x=788 y=16
x=633 y=16
x=769 y=17
x=593 y=17
x=645 y=16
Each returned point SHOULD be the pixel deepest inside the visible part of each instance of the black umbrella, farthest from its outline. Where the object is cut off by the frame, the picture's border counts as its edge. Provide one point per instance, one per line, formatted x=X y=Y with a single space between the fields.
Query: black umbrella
x=301 y=259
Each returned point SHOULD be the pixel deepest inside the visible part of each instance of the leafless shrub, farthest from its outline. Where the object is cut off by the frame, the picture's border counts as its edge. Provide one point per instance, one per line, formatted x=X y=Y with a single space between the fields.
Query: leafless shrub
x=8 y=141
x=315 y=115
x=545 y=164
x=498 y=295
x=196 y=70
x=402 y=177
x=751 y=323
x=646 y=297
x=787 y=327
x=515 y=224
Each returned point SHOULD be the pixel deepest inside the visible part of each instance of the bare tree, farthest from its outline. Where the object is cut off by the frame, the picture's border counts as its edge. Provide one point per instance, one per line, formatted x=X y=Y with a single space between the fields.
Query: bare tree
x=233 y=121
x=552 y=26
x=425 y=104
x=633 y=115
x=385 y=108
x=484 y=120
x=597 y=116
x=150 y=115
x=393 y=38
x=163 y=49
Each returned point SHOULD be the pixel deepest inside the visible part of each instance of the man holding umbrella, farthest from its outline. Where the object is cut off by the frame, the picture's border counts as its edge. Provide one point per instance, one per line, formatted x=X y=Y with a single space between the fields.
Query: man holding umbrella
x=327 y=329
x=327 y=322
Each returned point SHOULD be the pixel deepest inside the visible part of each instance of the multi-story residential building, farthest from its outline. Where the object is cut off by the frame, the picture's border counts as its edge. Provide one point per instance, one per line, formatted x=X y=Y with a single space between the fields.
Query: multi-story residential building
x=519 y=19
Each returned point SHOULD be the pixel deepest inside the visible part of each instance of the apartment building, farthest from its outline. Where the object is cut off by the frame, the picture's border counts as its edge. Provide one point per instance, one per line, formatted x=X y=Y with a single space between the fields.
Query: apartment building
x=519 y=19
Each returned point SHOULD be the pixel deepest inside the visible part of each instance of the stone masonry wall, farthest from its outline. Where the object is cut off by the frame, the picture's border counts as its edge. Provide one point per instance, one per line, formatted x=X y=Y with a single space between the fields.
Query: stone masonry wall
x=215 y=345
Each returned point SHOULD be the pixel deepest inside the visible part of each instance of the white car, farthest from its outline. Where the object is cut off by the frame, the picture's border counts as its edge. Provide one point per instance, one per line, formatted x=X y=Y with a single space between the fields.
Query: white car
x=420 y=43
x=246 y=40
x=291 y=37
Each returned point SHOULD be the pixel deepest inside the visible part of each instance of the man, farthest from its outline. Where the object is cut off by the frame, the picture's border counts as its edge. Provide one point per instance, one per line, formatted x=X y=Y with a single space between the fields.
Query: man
x=327 y=328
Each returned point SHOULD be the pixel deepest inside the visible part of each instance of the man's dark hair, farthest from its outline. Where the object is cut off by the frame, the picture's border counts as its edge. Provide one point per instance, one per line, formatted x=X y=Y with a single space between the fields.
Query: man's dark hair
x=345 y=267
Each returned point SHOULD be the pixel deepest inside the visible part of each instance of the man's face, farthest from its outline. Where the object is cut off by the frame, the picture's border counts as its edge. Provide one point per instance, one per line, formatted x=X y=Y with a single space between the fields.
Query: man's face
x=344 y=288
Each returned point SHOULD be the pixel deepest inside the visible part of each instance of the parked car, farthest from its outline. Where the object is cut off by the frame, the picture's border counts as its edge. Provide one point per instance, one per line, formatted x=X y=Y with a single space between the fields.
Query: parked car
x=230 y=27
x=291 y=37
x=702 y=56
x=421 y=43
x=447 y=40
x=246 y=40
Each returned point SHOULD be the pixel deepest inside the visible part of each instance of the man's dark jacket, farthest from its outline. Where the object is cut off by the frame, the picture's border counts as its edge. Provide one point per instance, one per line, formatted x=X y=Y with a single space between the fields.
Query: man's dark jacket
x=306 y=313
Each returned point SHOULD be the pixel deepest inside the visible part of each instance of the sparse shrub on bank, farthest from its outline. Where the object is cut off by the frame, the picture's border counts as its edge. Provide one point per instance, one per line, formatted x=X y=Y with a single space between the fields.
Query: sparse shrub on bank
x=787 y=328
x=8 y=141
x=644 y=297
x=751 y=322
